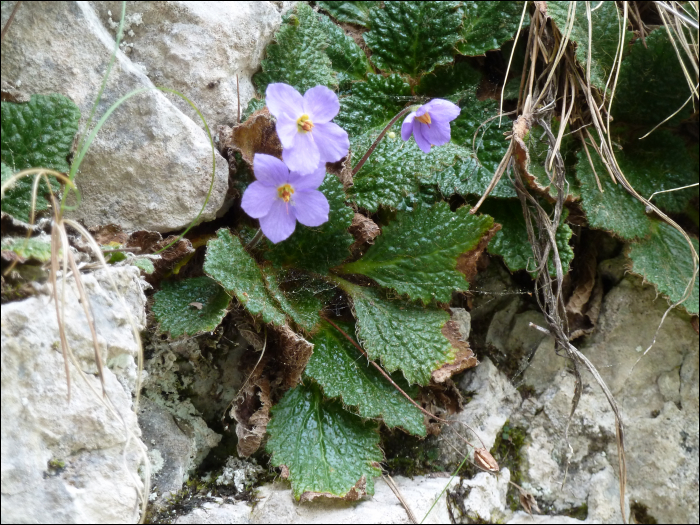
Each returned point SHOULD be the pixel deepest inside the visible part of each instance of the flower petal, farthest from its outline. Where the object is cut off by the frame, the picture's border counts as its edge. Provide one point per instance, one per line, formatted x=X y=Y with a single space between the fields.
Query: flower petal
x=321 y=104
x=308 y=182
x=258 y=199
x=423 y=144
x=280 y=222
x=407 y=126
x=311 y=207
x=437 y=133
x=332 y=141
x=442 y=110
x=270 y=170
x=303 y=157
x=283 y=99
x=287 y=131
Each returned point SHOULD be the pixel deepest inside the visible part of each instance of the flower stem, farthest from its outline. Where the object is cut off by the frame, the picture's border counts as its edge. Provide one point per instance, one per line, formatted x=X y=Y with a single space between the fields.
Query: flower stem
x=380 y=137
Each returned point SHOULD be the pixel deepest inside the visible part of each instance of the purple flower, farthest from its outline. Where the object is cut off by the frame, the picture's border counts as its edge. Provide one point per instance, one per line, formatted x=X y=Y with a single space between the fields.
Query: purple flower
x=430 y=123
x=280 y=198
x=304 y=126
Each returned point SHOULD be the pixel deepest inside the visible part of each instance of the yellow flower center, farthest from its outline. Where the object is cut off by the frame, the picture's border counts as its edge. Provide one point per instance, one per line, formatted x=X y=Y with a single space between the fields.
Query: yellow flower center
x=304 y=124
x=424 y=118
x=285 y=192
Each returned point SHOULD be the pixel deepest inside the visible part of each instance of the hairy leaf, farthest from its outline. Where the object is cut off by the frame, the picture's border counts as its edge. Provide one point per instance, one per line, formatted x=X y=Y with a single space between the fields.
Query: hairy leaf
x=511 y=241
x=664 y=260
x=326 y=449
x=323 y=247
x=660 y=162
x=232 y=267
x=36 y=134
x=351 y=12
x=614 y=209
x=396 y=168
x=339 y=368
x=487 y=25
x=651 y=85
x=372 y=104
x=416 y=254
x=405 y=336
x=297 y=58
x=191 y=306
x=301 y=296
x=36 y=248
x=411 y=37
x=348 y=60
x=605 y=35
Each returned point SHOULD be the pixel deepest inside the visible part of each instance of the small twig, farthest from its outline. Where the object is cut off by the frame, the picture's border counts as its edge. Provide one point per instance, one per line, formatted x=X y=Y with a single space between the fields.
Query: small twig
x=397 y=493
x=9 y=20
x=359 y=165
x=386 y=376
x=255 y=240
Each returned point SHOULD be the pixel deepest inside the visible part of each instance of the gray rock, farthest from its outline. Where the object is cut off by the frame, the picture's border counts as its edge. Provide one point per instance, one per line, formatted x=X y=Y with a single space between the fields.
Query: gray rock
x=198 y=48
x=211 y=512
x=658 y=397
x=483 y=498
x=150 y=166
x=69 y=461
x=276 y=504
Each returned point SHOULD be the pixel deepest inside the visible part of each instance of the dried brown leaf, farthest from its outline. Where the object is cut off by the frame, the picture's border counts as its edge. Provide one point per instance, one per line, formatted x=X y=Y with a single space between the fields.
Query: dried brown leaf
x=528 y=501
x=364 y=230
x=471 y=262
x=251 y=411
x=296 y=352
x=354 y=494
x=111 y=233
x=485 y=460
x=255 y=135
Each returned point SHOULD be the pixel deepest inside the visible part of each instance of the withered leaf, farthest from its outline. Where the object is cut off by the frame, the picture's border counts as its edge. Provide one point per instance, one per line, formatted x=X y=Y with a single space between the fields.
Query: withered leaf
x=354 y=494
x=485 y=460
x=296 y=352
x=255 y=135
x=470 y=263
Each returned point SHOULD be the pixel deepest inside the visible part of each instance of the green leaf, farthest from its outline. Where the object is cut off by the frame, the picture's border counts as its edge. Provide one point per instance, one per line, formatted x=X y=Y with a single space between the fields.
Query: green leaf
x=36 y=248
x=143 y=264
x=396 y=168
x=299 y=295
x=605 y=33
x=487 y=25
x=297 y=58
x=372 y=104
x=36 y=134
x=511 y=241
x=403 y=335
x=411 y=37
x=347 y=59
x=232 y=267
x=614 y=209
x=664 y=260
x=254 y=105
x=350 y=12
x=416 y=254
x=323 y=247
x=651 y=85
x=327 y=449
x=339 y=368
x=660 y=162
x=191 y=306
x=459 y=85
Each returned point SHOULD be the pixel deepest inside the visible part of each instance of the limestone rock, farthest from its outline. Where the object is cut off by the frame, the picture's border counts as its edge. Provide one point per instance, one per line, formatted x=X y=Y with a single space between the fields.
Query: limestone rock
x=150 y=166
x=61 y=461
x=198 y=48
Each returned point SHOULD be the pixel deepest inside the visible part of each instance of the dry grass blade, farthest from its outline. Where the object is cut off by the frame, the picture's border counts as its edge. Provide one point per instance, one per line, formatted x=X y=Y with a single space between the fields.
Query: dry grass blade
x=63 y=267
x=411 y=517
